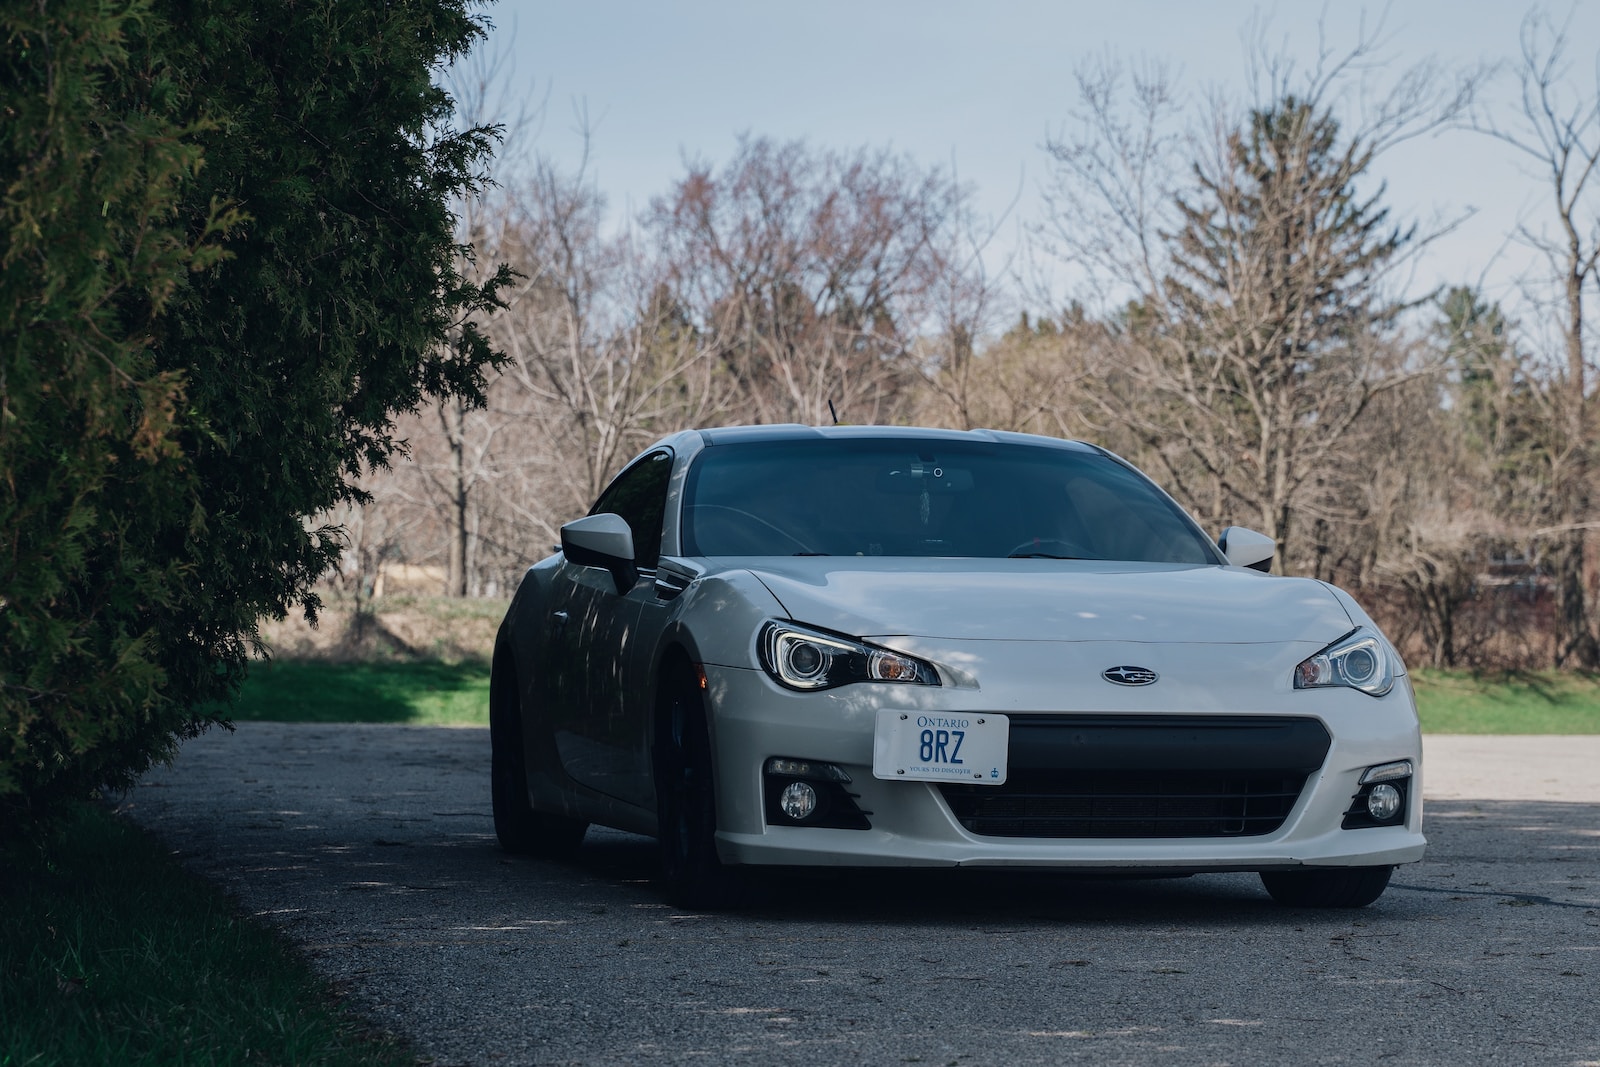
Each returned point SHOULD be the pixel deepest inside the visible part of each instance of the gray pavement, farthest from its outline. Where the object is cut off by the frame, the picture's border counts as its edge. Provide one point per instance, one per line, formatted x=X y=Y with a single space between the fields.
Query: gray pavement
x=373 y=848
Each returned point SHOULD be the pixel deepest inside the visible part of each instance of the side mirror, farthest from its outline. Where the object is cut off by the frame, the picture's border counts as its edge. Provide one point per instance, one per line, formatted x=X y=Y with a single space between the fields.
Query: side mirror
x=603 y=540
x=1246 y=548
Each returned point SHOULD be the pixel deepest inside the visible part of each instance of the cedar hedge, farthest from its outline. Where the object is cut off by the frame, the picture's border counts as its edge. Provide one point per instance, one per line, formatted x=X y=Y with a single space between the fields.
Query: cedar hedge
x=229 y=259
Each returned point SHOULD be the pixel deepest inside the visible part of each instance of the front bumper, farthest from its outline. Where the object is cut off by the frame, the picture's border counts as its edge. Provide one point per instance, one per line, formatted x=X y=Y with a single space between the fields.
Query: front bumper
x=912 y=825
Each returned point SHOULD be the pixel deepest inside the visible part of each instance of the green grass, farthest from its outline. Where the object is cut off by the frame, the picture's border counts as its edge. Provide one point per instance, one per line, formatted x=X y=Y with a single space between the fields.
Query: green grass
x=457 y=694
x=424 y=693
x=1540 y=702
x=111 y=953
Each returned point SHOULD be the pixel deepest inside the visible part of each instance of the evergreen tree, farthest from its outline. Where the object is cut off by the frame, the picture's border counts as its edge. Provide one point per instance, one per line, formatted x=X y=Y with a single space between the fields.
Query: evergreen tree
x=1492 y=393
x=1270 y=337
x=229 y=261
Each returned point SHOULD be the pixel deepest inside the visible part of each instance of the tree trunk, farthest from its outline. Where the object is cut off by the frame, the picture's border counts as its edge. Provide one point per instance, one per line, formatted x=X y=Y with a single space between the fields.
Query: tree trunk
x=1576 y=645
x=454 y=417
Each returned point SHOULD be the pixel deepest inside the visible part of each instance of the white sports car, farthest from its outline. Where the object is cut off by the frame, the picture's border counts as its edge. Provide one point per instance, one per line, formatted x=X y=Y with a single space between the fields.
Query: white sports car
x=866 y=646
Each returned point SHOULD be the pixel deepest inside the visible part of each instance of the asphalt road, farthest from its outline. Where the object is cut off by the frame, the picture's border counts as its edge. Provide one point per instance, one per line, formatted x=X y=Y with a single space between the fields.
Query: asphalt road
x=372 y=846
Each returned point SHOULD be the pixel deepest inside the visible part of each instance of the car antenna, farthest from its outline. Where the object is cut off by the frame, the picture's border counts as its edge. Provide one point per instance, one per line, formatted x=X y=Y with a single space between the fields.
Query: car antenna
x=832 y=412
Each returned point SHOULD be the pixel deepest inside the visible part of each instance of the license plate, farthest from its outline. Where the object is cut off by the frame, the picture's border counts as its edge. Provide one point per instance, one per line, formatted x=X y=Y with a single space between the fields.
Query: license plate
x=941 y=748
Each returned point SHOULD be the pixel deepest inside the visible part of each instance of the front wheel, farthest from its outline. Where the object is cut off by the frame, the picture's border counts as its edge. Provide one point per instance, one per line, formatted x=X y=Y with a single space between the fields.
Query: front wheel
x=518 y=826
x=692 y=875
x=1328 y=887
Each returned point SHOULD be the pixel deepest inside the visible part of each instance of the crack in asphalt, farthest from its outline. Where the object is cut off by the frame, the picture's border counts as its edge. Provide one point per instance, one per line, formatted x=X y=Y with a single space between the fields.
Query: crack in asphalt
x=1530 y=898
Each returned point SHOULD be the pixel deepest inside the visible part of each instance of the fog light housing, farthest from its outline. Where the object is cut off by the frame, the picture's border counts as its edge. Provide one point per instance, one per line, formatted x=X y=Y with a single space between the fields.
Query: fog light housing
x=798 y=800
x=810 y=793
x=1383 y=802
x=1383 y=797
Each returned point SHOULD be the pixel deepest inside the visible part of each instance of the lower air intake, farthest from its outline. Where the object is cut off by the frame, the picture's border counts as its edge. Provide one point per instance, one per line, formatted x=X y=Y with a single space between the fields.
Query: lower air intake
x=1116 y=804
x=1141 y=775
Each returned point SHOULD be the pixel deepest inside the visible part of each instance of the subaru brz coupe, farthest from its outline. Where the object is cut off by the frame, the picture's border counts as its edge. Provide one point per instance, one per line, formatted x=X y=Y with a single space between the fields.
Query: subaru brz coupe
x=873 y=646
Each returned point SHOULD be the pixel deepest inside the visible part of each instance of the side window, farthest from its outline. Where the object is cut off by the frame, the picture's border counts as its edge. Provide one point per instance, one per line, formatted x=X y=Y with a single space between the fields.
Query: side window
x=639 y=495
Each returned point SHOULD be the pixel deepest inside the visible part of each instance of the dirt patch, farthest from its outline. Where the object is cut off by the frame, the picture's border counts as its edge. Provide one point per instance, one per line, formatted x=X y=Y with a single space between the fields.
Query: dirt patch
x=390 y=628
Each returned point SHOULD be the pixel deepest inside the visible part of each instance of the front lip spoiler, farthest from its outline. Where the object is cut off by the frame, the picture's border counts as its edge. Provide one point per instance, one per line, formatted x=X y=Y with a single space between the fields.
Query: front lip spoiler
x=802 y=847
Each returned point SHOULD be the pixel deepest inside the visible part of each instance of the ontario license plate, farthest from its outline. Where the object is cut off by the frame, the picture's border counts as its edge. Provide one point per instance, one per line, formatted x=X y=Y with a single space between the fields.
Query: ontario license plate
x=941 y=748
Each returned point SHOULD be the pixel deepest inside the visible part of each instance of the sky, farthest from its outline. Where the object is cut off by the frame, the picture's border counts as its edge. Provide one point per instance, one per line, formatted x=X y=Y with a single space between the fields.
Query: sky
x=978 y=87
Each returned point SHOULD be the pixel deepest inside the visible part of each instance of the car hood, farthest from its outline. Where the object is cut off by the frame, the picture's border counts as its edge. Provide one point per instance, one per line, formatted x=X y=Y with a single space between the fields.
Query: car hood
x=1069 y=600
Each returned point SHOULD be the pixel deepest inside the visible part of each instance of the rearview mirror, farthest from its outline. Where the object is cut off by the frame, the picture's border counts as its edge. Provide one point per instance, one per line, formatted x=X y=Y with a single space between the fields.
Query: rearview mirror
x=603 y=540
x=1246 y=548
x=924 y=478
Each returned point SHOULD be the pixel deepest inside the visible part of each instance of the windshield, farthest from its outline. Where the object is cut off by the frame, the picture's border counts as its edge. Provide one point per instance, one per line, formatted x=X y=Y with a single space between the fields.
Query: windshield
x=888 y=497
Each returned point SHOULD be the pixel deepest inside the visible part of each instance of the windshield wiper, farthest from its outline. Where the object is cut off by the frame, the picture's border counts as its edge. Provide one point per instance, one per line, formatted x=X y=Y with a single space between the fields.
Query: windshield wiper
x=1041 y=555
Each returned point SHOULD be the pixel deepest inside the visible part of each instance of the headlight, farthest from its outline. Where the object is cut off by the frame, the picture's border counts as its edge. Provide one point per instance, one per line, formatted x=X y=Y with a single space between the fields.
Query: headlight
x=805 y=659
x=1360 y=659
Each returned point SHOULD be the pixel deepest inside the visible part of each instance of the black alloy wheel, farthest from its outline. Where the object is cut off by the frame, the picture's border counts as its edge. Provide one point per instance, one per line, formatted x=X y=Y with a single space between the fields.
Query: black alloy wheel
x=1330 y=887
x=686 y=806
x=519 y=827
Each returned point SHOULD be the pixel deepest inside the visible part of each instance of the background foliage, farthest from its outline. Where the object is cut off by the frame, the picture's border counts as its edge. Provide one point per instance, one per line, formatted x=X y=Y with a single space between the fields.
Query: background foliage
x=1230 y=302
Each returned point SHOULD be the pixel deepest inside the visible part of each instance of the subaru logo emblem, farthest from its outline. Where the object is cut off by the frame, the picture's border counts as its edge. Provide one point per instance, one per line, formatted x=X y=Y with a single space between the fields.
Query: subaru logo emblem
x=1129 y=675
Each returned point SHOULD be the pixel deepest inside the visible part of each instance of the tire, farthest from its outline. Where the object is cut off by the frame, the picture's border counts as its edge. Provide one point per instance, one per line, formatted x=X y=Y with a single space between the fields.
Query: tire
x=692 y=875
x=1330 y=887
x=519 y=827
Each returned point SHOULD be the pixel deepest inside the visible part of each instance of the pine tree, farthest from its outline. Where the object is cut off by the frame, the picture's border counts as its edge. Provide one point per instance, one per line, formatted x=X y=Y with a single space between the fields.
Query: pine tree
x=1272 y=325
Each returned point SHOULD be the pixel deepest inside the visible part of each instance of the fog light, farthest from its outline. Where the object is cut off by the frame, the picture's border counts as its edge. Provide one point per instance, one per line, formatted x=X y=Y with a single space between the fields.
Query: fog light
x=798 y=800
x=1383 y=802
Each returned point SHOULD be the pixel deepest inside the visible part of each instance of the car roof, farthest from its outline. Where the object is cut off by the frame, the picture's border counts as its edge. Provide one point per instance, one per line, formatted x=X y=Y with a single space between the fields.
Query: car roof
x=730 y=435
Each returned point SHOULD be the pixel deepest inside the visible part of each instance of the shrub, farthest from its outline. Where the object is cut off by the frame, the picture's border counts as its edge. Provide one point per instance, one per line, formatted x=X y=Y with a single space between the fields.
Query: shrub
x=229 y=261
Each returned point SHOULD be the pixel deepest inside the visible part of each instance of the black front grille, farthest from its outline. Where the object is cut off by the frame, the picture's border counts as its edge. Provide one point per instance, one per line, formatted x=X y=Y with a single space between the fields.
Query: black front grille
x=1119 y=804
x=1122 y=776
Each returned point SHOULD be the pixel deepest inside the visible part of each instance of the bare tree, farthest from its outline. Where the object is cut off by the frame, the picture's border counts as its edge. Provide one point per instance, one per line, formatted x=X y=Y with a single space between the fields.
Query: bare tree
x=1423 y=521
x=605 y=360
x=966 y=386
x=1557 y=128
x=433 y=494
x=1027 y=380
x=1118 y=169
x=809 y=274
